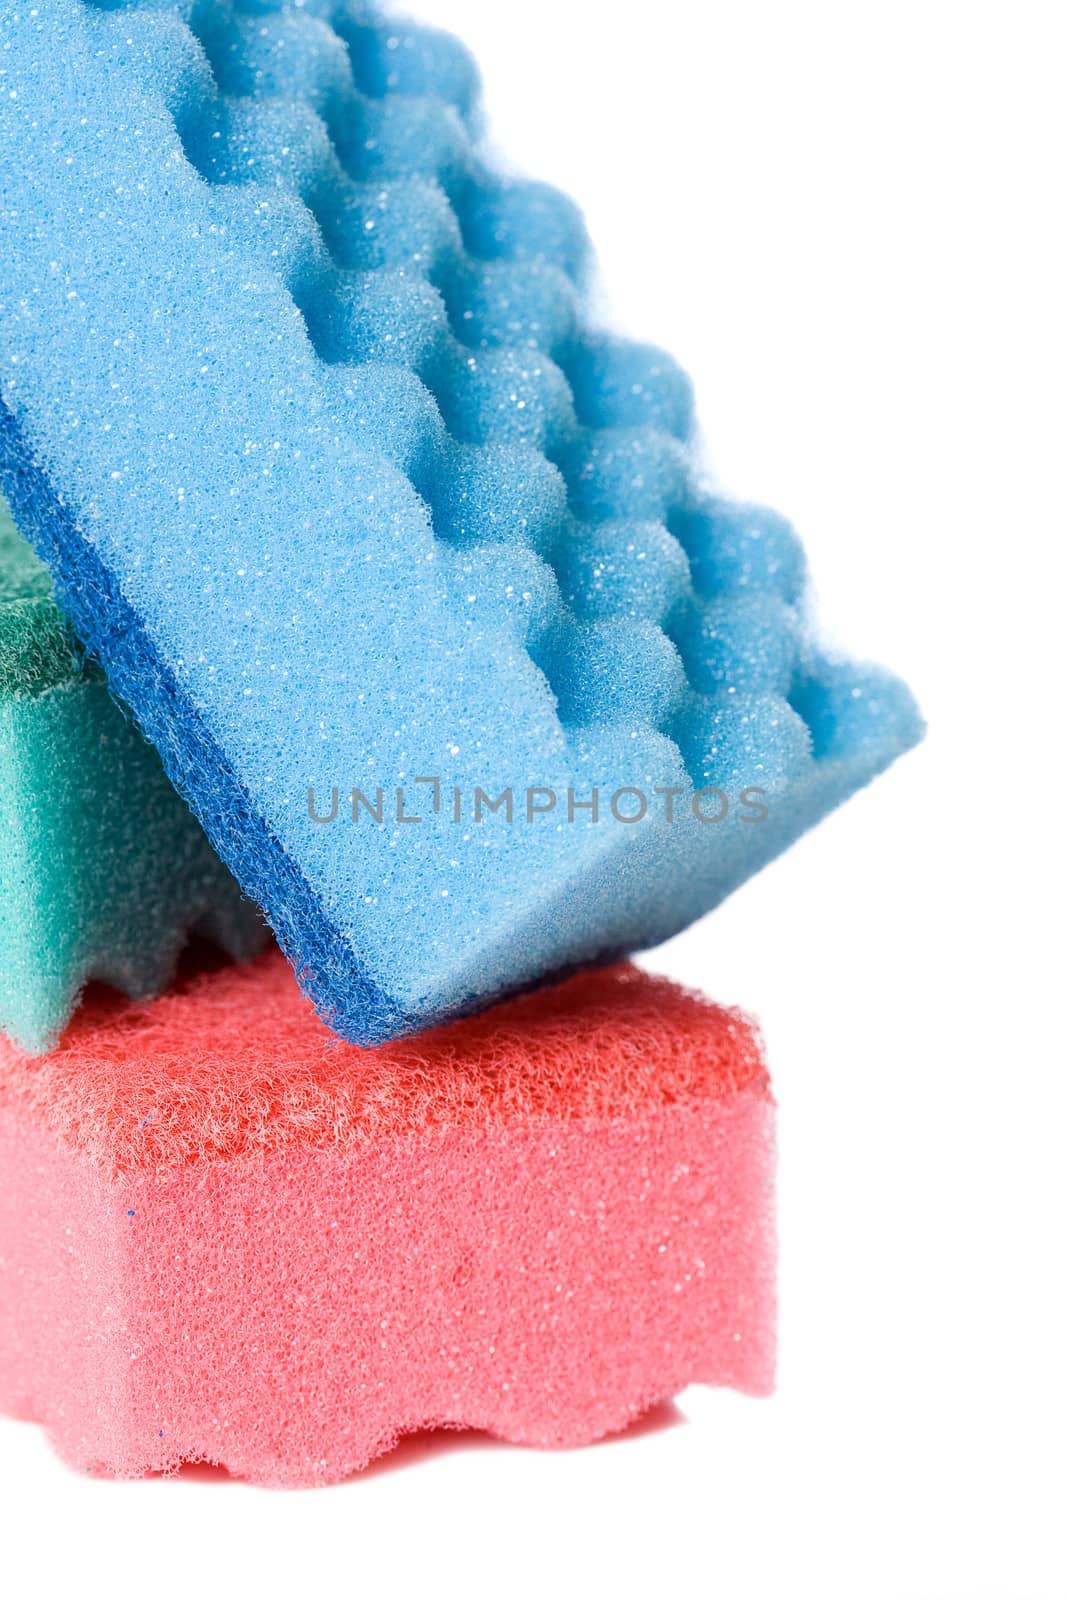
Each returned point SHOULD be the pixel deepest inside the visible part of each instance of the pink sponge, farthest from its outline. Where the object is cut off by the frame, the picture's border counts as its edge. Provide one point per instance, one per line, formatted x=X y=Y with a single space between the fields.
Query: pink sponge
x=227 y=1237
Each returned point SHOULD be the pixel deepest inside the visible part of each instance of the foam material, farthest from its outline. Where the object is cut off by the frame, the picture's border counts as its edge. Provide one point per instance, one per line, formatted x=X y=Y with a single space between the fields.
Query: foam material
x=227 y=1236
x=304 y=407
x=104 y=871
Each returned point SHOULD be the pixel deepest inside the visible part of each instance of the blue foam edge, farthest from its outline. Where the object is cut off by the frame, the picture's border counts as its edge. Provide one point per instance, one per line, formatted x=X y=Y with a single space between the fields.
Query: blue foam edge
x=110 y=629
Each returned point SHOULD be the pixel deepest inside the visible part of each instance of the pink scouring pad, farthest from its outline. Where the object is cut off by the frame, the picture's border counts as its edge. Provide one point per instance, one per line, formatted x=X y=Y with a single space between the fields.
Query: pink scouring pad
x=227 y=1237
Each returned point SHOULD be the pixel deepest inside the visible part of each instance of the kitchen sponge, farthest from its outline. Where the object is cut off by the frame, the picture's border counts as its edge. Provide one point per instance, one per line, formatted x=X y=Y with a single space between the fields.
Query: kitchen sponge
x=366 y=520
x=226 y=1236
x=103 y=869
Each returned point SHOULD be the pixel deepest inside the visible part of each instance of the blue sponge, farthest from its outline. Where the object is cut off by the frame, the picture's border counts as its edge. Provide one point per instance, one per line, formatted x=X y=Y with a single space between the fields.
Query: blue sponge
x=302 y=404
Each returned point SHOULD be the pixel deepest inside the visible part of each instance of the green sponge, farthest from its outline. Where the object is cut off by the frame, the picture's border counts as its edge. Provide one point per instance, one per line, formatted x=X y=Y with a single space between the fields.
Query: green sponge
x=104 y=872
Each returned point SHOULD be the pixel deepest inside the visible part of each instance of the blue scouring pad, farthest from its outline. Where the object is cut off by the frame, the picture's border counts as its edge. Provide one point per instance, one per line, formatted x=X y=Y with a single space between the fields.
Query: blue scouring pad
x=303 y=406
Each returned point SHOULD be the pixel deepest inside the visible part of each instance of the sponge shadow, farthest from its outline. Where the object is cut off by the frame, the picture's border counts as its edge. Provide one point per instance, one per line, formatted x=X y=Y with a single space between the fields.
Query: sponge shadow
x=414 y=1449
x=417 y=1449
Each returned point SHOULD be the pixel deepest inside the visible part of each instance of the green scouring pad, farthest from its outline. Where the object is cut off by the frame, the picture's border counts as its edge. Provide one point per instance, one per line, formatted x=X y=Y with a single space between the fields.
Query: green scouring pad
x=104 y=871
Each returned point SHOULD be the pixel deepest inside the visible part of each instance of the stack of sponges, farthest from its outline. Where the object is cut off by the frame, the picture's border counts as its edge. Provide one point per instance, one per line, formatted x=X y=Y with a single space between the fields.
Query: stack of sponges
x=410 y=574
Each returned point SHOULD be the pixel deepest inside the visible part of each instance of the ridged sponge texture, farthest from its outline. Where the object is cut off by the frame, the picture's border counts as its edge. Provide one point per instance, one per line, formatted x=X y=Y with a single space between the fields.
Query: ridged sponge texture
x=227 y=1236
x=104 y=870
x=303 y=404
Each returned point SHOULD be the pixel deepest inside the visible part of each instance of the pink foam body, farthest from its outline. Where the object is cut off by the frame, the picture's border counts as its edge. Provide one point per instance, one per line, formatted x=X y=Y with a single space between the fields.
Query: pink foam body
x=226 y=1237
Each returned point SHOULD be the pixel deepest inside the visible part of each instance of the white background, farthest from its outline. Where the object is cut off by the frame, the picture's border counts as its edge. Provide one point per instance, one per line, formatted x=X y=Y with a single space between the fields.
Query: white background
x=845 y=218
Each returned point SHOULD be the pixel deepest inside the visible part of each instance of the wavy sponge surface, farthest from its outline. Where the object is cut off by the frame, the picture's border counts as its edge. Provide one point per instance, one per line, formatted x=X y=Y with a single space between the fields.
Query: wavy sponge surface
x=104 y=871
x=303 y=404
x=227 y=1236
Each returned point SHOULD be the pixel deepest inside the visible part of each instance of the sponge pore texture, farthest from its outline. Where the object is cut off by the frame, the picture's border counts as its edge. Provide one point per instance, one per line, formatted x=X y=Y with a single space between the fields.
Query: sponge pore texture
x=303 y=404
x=104 y=871
x=227 y=1236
